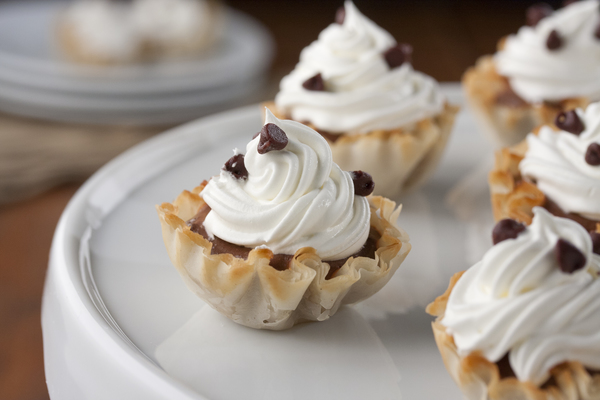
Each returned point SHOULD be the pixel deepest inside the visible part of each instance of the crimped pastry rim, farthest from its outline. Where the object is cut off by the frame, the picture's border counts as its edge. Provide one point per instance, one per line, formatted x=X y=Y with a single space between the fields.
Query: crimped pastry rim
x=298 y=294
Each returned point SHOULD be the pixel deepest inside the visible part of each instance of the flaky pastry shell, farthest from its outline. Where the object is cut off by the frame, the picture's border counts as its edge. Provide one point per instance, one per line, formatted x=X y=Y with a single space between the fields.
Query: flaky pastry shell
x=399 y=160
x=511 y=196
x=254 y=294
x=479 y=379
x=510 y=121
x=74 y=47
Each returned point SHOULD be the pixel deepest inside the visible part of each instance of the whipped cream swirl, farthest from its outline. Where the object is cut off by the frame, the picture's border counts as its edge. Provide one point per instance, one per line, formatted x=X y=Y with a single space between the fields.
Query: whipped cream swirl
x=573 y=70
x=293 y=198
x=362 y=93
x=556 y=161
x=516 y=300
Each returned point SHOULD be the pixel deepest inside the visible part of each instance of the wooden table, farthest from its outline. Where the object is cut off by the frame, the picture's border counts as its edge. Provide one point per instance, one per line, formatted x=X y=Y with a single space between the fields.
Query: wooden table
x=447 y=37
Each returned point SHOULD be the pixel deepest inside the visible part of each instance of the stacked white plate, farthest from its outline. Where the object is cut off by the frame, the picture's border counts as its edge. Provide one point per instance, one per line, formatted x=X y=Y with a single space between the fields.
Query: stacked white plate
x=36 y=81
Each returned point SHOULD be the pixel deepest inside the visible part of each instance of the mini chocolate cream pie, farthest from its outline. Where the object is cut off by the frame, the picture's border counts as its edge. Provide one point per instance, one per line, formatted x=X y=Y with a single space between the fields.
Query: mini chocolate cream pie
x=356 y=86
x=524 y=322
x=109 y=32
x=282 y=235
x=557 y=167
x=549 y=66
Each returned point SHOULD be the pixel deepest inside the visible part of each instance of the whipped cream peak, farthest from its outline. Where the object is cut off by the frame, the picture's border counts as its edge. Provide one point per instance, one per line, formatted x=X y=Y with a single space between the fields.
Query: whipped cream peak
x=292 y=197
x=557 y=58
x=557 y=162
x=362 y=93
x=517 y=300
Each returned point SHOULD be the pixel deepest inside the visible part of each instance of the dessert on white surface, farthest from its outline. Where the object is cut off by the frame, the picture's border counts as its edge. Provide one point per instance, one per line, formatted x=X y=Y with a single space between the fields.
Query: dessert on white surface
x=356 y=86
x=283 y=235
x=527 y=312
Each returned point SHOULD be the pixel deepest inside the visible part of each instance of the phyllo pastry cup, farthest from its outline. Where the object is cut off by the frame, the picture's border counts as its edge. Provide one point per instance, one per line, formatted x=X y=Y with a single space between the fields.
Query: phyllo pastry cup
x=479 y=378
x=253 y=293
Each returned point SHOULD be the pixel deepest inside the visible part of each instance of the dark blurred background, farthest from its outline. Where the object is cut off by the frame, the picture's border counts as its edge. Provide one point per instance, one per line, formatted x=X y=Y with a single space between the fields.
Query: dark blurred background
x=447 y=36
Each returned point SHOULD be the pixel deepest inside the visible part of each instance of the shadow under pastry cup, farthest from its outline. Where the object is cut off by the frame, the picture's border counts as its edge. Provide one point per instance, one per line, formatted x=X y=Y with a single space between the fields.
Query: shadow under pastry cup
x=253 y=293
x=513 y=197
x=479 y=378
x=399 y=160
x=502 y=114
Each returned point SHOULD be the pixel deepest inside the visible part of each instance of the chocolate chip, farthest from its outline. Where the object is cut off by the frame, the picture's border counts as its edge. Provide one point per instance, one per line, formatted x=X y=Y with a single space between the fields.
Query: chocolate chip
x=569 y=121
x=235 y=165
x=554 y=41
x=567 y=3
x=272 y=137
x=398 y=55
x=315 y=83
x=569 y=258
x=597 y=31
x=595 y=242
x=340 y=15
x=537 y=12
x=506 y=229
x=592 y=155
x=363 y=183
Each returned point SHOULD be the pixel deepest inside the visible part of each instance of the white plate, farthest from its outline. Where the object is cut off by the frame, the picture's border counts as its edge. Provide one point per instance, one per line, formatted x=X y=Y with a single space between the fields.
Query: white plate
x=118 y=321
x=148 y=110
x=29 y=57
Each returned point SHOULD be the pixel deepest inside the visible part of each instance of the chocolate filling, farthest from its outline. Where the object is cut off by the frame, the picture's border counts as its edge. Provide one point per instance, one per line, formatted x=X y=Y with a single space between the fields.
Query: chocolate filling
x=279 y=261
x=506 y=371
x=554 y=209
x=510 y=99
x=332 y=137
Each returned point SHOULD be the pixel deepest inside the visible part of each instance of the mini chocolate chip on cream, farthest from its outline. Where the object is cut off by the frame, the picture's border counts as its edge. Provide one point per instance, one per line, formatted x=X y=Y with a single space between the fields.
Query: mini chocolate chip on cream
x=597 y=31
x=569 y=121
x=235 y=165
x=314 y=83
x=554 y=41
x=363 y=183
x=537 y=12
x=397 y=55
x=340 y=15
x=569 y=257
x=272 y=138
x=506 y=229
x=592 y=154
x=595 y=242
